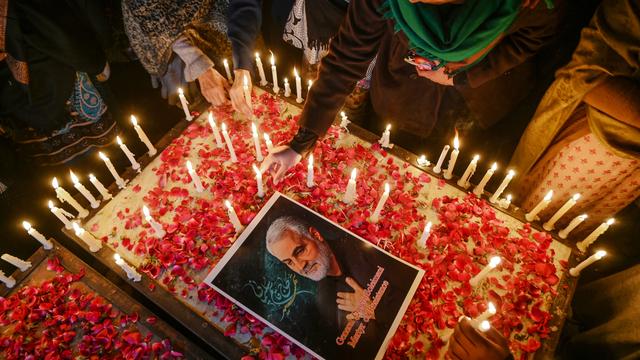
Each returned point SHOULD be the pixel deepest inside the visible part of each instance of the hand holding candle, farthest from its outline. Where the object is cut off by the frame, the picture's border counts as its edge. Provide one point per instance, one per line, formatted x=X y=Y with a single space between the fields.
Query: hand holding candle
x=350 y=194
x=36 y=235
x=143 y=136
x=263 y=79
x=120 y=181
x=61 y=215
x=129 y=154
x=491 y=310
x=132 y=274
x=383 y=199
x=575 y=271
x=584 y=244
x=227 y=139
x=448 y=174
x=156 y=226
x=464 y=181
x=551 y=223
x=64 y=196
x=83 y=190
x=533 y=214
x=106 y=195
x=233 y=217
x=19 y=263
x=479 y=190
x=93 y=243
x=185 y=103
x=493 y=262
x=572 y=225
x=443 y=155
x=494 y=198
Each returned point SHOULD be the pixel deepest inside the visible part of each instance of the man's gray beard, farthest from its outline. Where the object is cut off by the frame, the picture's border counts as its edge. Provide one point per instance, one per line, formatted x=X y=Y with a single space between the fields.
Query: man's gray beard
x=323 y=261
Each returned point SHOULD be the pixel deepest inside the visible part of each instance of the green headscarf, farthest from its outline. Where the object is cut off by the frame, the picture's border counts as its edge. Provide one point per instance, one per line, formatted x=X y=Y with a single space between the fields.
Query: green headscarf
x=451 y=32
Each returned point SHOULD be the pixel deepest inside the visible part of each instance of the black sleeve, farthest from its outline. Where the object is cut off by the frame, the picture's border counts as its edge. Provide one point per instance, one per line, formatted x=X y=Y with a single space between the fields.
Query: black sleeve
x=244 y=21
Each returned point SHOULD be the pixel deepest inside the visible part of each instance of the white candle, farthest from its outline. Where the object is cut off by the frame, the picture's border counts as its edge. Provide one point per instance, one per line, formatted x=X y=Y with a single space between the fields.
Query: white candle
x=185 y=105
x=344 y=121
x=309 y=83
x=83 y=190
x=464 y=181
x=572 y=225
x=132 y=274
x=479 y=189
x=225 y=63
x=267 y=141
x=156 y=226
x=8 y=281
x=101 y=189
x=247 y=92
x=551 y=223
x=227 y=139
x=422 y=161
x=38 y=236
x=19 y=263
x=299 y=98
x=92 y=242
x=506 y=202
x=383 y=199
x=575 y=271
x=143 y=137
x=64 y=196
x=422 y=242
x=129 y=154
x=263 y=79
x=274 y=74
x=484 y=326
x=61 y=215
x=443 y=155
x=351 y=194
x=493 y=262
x=233 y=217
x=256 y=141
x=502 y=186
x=119 y=181
x=491 y=310
x=384 y=139
x=310 y=183
x=214 y=129
x=584 y=244
x=195 y=179
x=533 y=214
x=448 y=174
x=258 y=181
x=287 y=88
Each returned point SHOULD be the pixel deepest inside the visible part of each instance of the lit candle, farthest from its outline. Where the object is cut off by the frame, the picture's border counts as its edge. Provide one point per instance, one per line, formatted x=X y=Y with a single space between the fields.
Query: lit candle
x=479 y=189
x=61 y=215
x=64 y=196
x=494 y=198
x=143 y=137
x=225 y=63
x=299 y=98
x=258 y=181
x=464 y=181
x=120 y=181
x=422 y=242
x=256 y=141
x=247 y=92
x=235 y=221
x=491 y=310
x=584 y=244
x=214 y=129
x=195 y=179
x=575 y=271
x=383 y=199
x=263 y=79
x=344 y=121
x=484 y=326
x=287 y=88
x=92 y=242
x=384 y=139
x=309 y=83
x=185 y=105
x=533 y=214
x=83 y=190
x=310 y=172
x=156 y=226
x=274 y=74
x=267 y=141
x=448 y=174
x=422 y=161
x=132 y=274
x=227 y=139
x=443 y=155
x=101 y=189
x=551 y=223
x=572 y=225
x=506 y=202
x=38 y=236
x=19 y=263
x=129 y=154
x=350 y=194
x=493 y=262
x=8 y=281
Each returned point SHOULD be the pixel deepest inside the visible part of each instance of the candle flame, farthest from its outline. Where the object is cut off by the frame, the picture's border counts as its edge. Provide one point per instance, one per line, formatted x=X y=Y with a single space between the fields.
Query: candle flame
x=611 y=221
x=266 y=137
x=509 y=197
x=189 y=166
x=180 y=92
x=387 y=188
x=224 y=127
x=50 y=204
x=494 y=167
x=74 y=178
x=388 y=127
x=78 y=230
x=476 y=158
x=146 y=212
x=54 y=183
x=343 y=115
x=311 y=160
x=583 y=216
x=495 y=261
x=309 y=82
x=257 y=54
x=286 y=81
x=491 y=308
x=512 y=173
x=295 y=72
x=456 y=141
x=117 y=257
x=600 y=254
x=26 y=225
x=134 y=121
x=273 y=59
x=576 y=197
x=227 y=203
x=548 y=196
x=484 y=326
x=119 y=140
x=353 y=174
x=103 y=156
x=224 y=61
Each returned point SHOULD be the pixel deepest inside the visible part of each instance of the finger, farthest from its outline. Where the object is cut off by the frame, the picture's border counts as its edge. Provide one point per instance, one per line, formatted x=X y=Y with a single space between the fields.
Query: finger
x=496 y=337
x=282 y=169
x=347 y=296
x=353 y=284
x=266 y=163
x=348 y=308
x=455 y=351
x=469 y=331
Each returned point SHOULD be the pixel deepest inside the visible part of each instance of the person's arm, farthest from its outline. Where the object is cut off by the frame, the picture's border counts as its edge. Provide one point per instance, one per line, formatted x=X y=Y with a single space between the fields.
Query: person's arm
x=618 y=98
x=349 y=56
x=538 y=27
x=244 y=21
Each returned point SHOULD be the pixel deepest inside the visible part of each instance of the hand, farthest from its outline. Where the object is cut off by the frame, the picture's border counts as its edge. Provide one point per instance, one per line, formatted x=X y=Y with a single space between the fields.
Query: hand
x=236 y=93
x=281 y=159
x=213 y=87
x=437 y=76
x=356 y=302
x=468 y=343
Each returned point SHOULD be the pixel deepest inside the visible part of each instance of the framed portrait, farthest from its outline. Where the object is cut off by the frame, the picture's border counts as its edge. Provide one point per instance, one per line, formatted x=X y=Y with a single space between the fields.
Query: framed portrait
x=331 y=292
